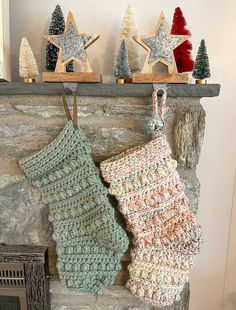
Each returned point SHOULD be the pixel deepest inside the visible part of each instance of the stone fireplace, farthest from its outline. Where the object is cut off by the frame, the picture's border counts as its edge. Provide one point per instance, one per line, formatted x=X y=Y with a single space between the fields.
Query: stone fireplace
x=114 y=118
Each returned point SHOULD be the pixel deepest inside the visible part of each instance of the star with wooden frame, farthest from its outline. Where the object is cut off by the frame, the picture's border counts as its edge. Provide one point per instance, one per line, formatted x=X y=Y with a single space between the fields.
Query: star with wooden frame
x=72 y=45
x=160 y=47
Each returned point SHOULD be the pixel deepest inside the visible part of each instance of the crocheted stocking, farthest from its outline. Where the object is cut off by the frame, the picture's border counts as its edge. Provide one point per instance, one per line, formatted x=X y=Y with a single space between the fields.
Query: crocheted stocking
x=165 y=234
x=89 y=241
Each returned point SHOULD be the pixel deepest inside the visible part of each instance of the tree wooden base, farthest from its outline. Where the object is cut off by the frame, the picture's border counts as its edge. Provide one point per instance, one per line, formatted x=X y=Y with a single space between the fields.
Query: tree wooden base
x=76 y=77
x=160 y=78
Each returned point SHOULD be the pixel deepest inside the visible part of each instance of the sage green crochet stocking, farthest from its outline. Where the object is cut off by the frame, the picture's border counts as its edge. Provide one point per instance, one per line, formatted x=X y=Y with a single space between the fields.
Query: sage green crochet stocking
x=89 y=241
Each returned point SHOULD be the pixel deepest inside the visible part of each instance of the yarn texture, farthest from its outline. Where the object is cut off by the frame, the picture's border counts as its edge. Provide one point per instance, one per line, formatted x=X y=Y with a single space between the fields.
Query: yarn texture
x=89 y=241
x=166 y=236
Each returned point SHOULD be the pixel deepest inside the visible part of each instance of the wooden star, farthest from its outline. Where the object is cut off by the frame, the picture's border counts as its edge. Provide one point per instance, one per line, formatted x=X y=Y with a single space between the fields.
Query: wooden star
x=160 y=47
x=72 y=46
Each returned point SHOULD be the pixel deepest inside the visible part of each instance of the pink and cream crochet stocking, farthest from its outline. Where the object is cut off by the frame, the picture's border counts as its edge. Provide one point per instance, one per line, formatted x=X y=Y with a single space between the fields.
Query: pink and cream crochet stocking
x=151 y=196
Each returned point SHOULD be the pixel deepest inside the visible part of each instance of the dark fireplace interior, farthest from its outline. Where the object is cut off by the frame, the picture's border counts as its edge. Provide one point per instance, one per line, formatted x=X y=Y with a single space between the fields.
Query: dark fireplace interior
x=24 y=278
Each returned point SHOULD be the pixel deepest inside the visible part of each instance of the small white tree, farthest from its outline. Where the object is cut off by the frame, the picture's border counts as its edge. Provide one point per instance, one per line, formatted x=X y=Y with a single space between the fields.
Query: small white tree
x=127 y=31
x=27 y=63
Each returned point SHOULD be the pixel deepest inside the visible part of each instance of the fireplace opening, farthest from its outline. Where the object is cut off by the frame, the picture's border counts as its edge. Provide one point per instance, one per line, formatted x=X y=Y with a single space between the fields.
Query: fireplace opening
x=24 y=277
x=12 y=286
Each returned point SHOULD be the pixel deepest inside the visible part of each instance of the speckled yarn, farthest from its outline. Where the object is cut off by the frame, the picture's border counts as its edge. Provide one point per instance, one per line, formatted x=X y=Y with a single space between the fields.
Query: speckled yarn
x=89 y=241
x=166 y=236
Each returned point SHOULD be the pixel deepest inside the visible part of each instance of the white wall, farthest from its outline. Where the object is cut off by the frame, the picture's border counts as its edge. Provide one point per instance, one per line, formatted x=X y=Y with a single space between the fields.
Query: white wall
x=5 y=55
x=229 y=300
x=213 y=20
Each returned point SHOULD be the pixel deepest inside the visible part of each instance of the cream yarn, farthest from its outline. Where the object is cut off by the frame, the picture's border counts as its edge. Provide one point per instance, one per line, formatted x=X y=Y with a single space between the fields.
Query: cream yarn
x=166 y=236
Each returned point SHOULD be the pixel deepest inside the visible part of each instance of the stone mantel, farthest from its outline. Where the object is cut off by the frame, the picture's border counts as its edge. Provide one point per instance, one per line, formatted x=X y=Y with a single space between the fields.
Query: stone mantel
x=114 y=118
x=107 y=90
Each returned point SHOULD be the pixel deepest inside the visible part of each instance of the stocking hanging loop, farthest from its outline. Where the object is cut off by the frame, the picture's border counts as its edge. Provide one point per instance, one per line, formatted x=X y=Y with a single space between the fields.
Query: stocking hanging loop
x=65 y=105
x=158 y=108
x=75 y=109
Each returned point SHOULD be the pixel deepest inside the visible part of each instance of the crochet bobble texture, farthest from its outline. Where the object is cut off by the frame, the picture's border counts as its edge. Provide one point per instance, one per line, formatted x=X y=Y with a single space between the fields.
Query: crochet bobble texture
x=89 y=241
x=166 y=236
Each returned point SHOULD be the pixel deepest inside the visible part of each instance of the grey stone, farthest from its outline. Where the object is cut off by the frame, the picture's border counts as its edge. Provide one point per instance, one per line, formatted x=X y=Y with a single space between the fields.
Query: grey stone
x=23 y=217
x=115 y=297
x=84 y=307
x=105 y=142
x=108 y=142
x=192 y=187
x=18 y=140
x=5 y=109
x=188 y=136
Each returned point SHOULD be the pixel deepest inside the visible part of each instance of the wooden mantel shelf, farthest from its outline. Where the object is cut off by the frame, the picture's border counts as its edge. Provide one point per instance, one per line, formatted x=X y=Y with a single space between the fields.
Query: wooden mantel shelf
x=107 y=90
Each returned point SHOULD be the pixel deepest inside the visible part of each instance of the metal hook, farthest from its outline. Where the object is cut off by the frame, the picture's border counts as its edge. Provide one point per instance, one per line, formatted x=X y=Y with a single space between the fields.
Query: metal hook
x=157 y=87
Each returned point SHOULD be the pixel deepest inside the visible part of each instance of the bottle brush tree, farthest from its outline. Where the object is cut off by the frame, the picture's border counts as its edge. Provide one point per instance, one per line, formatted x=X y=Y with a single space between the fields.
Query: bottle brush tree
x=202 y=68
x=27 y=63
x=127 y=31
x=57 y=26
x=182 y=53
x=121 y=68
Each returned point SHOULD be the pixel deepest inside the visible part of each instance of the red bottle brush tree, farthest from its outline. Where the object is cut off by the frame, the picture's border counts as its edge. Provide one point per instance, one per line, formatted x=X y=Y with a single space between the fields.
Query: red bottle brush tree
x=182 y=53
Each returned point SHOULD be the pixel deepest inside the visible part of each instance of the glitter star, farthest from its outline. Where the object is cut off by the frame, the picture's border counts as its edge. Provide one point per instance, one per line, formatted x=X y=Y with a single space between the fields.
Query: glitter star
x=160 y=46
x=72 y=45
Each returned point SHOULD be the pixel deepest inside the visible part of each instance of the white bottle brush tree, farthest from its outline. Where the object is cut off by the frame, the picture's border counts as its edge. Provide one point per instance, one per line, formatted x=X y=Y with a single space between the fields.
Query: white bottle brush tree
x=127 y=31
x=27 y=64
x=121 y=68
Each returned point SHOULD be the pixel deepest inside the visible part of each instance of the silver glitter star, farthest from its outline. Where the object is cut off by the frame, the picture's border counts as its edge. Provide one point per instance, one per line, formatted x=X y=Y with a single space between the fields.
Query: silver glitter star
x=73 y=44
x=162 y=45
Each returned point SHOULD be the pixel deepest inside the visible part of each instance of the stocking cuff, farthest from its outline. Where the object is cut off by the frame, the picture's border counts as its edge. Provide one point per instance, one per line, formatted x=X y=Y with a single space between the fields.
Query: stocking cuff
x=135 y=159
